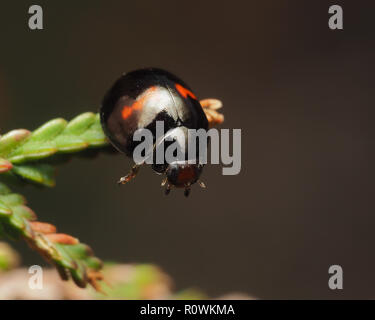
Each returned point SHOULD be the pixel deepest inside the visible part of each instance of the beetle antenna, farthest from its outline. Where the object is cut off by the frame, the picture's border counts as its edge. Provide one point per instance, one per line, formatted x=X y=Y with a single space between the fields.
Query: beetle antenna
x=131 y=175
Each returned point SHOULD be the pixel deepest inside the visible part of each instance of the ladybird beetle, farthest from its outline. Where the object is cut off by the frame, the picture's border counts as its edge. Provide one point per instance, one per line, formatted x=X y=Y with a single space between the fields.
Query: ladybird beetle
x=139 y=99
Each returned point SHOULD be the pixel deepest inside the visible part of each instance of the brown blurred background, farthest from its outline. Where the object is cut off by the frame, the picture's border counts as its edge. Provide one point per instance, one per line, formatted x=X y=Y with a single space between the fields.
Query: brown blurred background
x=301 y=93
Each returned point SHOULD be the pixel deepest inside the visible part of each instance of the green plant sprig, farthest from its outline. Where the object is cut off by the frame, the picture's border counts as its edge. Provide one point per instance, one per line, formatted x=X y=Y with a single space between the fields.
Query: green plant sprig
x=21 y=151
x=26 y=155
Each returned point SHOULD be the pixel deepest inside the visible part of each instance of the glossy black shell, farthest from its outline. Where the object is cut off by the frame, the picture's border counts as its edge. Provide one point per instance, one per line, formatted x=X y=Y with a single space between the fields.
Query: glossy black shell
x=140 y=98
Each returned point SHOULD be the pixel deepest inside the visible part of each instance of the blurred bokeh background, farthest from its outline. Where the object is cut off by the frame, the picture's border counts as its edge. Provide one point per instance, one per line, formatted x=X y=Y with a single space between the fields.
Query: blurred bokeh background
x=301 y=93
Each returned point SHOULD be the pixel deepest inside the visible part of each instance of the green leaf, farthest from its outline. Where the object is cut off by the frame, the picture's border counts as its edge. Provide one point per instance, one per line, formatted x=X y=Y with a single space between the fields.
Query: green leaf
x=48 y=131
x=4 y=209
x=5 y=165
x=39 y=173
x=11 y=140
x=66 y=143
x=81 y=123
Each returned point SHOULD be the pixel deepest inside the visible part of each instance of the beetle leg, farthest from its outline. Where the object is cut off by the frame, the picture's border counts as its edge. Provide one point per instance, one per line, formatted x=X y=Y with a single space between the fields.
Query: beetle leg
x=168 y=189
x=187 y=190
x=202 y=184
x=163 y=182
x=210 y=107
x=131 y=175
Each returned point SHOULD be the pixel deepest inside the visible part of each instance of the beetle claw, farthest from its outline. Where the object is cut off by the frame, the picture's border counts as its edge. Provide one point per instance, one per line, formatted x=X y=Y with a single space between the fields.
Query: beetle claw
x=202 y=184
x=167 y=189
x=131 y=175
x=187 y=191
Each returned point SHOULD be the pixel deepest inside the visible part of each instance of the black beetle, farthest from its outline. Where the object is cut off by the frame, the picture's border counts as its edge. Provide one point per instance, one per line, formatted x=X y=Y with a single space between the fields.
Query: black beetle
x=140 y=98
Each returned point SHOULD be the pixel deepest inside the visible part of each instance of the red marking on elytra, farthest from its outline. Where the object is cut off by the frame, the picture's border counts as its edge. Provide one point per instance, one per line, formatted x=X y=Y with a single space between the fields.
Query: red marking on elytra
x=185 y=92
x=127 y=111
x=186 y=175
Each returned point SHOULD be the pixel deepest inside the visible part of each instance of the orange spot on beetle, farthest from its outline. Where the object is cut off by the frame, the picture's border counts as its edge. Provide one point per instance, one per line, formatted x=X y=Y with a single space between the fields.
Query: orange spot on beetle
x=127 y=111
x=185 y=92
